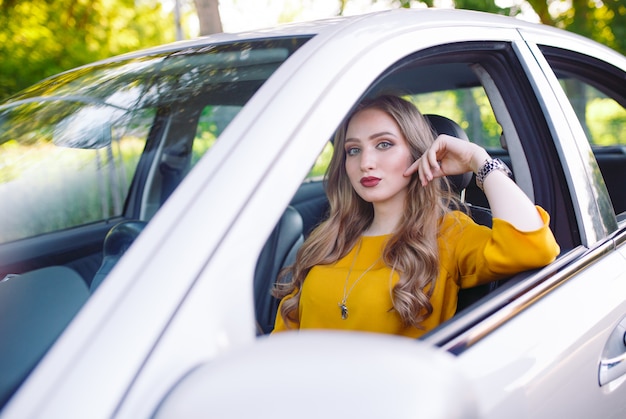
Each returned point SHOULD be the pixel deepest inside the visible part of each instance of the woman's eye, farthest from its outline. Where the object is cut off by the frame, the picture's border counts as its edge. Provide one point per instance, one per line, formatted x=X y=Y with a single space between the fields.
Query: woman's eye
x=352 y=151
x=384 y=145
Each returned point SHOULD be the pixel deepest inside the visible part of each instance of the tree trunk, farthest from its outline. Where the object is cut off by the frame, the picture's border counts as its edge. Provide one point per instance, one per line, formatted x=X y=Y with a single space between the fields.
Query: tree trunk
x=209 y=16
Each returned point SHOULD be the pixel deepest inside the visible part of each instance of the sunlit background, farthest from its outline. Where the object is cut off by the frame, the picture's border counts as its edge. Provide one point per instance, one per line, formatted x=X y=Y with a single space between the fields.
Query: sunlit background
x=39 y=38
x=244 y=15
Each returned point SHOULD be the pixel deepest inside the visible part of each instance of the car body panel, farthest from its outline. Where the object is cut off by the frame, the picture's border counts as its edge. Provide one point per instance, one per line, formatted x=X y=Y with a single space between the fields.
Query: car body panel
x=524 y=375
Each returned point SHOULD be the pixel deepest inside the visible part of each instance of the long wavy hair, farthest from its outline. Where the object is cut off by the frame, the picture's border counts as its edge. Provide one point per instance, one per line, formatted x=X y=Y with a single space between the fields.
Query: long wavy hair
x=412 y=249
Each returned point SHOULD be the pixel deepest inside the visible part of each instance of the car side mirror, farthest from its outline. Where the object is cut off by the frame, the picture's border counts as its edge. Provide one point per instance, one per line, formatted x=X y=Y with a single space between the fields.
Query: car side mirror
x=324 y=375
x=66 y=122
x=88 y=128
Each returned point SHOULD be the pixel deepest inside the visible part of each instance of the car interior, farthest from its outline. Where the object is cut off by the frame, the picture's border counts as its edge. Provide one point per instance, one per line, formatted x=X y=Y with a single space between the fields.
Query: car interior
x=163 y=166
x=413 y=78
x=309 y=207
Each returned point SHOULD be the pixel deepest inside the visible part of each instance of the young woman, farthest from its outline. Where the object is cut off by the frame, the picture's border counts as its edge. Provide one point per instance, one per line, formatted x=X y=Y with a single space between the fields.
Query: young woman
x=393 y=252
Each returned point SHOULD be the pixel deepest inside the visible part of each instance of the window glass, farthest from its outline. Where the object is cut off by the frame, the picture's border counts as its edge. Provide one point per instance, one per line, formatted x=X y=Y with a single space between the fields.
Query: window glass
x=597 y=93
x=321 y=164
x=601 y=116
x=47 y=184
x=71 y=145
x=469 y=107
x=212 y=122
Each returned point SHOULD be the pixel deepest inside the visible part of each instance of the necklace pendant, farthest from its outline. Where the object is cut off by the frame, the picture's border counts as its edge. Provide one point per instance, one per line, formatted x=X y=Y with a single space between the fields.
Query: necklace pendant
x=344 y=310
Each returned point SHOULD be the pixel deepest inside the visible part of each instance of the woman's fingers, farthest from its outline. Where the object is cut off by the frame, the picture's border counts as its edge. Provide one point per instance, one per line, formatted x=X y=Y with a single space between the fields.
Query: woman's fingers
x=413 y=168
x=446 y=156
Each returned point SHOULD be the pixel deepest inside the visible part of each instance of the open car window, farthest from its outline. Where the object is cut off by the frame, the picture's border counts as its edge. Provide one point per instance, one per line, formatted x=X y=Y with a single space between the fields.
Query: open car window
x=469 y=106
x=479 y=91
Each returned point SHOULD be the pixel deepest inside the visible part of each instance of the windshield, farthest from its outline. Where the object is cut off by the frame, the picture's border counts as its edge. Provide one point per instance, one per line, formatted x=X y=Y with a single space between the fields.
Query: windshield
x=79 y=137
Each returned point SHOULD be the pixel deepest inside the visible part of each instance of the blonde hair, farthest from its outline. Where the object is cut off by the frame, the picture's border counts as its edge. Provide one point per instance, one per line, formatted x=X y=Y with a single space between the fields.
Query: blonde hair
x=412 y=250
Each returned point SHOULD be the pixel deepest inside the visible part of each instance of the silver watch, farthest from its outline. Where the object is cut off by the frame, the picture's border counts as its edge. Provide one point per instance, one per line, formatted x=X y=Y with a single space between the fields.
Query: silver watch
x=489 y=166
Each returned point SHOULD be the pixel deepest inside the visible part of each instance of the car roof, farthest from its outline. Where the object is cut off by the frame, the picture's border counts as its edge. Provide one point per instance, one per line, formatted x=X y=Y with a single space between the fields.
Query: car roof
x=375 y=23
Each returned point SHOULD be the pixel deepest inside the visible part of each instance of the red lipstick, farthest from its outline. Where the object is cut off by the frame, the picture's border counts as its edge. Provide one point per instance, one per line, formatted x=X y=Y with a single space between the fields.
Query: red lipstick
x=370 y=181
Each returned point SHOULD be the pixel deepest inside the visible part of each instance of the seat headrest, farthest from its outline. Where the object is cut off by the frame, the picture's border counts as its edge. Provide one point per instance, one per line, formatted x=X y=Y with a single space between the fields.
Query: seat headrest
x=443 y=125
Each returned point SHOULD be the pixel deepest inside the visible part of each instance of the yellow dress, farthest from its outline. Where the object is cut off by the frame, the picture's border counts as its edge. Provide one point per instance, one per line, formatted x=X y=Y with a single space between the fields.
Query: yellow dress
x=470 y=255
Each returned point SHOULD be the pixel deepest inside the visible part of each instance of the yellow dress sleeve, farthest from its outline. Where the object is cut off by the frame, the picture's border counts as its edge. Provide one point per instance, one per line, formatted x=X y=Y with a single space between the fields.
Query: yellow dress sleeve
x=483 y=255
x=279 y=323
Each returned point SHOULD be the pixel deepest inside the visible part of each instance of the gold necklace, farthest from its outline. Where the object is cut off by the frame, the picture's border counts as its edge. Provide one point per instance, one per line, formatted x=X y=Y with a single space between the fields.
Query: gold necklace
x=346 y=293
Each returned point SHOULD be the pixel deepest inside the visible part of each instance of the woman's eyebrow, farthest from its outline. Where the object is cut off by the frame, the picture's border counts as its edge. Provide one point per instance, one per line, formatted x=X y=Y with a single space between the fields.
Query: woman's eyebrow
x=382 y=134
x=372 y=137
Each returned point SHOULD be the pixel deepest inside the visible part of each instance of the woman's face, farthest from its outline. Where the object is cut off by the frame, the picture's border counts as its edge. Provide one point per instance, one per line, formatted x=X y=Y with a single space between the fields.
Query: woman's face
x=377 y=154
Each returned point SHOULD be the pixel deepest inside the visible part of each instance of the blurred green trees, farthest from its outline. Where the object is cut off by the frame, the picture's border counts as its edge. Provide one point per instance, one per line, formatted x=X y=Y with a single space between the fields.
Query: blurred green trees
x=39 y=38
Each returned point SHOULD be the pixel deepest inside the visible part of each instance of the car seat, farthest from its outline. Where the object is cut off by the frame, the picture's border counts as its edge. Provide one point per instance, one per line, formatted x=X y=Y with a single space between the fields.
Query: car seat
x=443 y=125
x=35 y=308
x=279 y=251
x=480 y=215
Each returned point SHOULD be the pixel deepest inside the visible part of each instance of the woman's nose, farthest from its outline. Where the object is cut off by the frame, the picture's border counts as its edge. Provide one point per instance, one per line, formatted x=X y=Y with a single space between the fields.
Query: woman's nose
x=368 y=160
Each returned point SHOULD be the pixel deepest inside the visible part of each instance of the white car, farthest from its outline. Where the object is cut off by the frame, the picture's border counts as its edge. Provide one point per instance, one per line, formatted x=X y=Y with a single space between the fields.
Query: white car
x=217 y=147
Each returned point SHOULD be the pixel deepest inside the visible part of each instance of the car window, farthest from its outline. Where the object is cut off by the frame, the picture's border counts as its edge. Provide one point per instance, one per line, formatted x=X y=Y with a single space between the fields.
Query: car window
x=597 y=93
x=469 y=107
x=601 y=116
x=88 y=156
x=212 y=121
x=484 y=88
x=72 y=146
x=318 y=170
x=48 y=183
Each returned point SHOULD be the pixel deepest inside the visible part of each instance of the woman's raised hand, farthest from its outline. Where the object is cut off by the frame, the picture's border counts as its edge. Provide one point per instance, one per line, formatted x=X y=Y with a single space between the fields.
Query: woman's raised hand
x=447 y=156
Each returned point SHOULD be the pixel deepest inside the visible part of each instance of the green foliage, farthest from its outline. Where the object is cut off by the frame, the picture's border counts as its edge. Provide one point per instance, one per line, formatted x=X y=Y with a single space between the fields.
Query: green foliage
x=469 y=107
x=39 y=38
x=606 y=119
x=485 y=6
x=321 y=164
x=602 y=21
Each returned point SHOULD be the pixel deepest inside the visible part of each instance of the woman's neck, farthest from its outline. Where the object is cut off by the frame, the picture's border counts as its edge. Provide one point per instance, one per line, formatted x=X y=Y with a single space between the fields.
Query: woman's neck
x=386 y=220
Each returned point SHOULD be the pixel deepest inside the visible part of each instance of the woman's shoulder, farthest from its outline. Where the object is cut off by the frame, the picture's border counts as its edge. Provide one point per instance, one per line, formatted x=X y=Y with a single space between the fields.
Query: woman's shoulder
x=457 y=224
x=456 y=217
